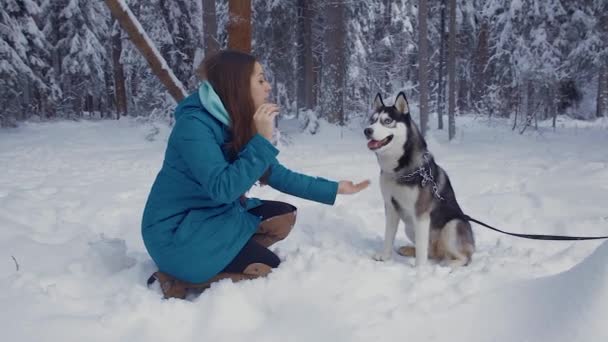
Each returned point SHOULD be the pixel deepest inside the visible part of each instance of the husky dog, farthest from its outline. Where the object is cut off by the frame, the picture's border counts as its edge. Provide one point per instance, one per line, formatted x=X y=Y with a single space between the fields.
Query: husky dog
x=416 y=190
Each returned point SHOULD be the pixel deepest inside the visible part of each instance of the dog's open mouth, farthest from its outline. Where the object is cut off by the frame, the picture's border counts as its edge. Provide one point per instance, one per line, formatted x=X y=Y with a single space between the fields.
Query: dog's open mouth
x=376 y=144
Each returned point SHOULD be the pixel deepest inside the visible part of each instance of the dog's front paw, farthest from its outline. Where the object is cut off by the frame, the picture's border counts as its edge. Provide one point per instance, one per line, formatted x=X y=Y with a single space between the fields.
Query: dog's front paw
x=381 y=256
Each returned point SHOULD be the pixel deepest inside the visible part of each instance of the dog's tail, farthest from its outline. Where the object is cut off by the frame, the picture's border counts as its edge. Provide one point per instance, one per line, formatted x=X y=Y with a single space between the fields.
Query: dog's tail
x=467 y=241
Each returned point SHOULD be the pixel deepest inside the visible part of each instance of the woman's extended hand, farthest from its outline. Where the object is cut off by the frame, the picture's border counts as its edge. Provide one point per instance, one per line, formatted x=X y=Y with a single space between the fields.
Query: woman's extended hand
x=263 y=119
x=348 y=187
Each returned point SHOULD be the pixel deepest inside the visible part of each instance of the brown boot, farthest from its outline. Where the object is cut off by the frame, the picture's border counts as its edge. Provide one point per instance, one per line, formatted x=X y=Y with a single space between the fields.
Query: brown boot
x=274 y=229
x=171 y=287
x=257 y=270
x=175 y=288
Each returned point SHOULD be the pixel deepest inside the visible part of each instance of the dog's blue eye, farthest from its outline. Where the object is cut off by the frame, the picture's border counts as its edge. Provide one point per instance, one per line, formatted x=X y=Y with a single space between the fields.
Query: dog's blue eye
x=387 y=121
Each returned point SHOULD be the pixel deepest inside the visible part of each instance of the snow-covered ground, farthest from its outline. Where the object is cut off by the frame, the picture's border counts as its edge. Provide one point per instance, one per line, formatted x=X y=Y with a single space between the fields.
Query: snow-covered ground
x=73 y=266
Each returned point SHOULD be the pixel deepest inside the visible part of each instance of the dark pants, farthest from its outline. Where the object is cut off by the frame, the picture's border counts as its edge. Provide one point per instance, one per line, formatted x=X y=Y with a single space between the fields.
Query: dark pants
x=254 y=251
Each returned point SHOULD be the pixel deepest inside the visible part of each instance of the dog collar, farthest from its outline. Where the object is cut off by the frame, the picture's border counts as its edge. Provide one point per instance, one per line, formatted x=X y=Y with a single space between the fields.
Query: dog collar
x=425 y=173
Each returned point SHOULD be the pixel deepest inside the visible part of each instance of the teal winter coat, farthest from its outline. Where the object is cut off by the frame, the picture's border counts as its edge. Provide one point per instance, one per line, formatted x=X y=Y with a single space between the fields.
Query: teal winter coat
x=194 y=222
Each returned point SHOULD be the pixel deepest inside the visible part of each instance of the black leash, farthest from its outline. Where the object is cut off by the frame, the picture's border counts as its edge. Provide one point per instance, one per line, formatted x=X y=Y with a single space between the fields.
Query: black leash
x=426 y=175
x=537 y=236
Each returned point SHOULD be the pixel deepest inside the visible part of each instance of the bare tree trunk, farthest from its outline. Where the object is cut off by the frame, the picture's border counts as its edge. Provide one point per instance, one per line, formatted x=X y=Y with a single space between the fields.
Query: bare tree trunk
x=300 y=41
x=334 y=64
x=305 y=70
x=441 y=85
x=602 y=82
x=602 y=91
x=517 y=106
x=120 y=91
x=462 y=92
x=106 y=101
x=317 y=68
x=239 y=25
x=553 y=103
x=55 y=55
x=452 y=72
x=387 y=76
x=209 y=27
x=530 y=95
x=145 y=46
x=423 y=55
x=479 y=64
x=26 y=100
x=387 y=12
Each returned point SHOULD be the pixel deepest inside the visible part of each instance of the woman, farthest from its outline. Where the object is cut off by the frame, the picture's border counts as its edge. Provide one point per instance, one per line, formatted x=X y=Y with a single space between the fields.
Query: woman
x=197 y=224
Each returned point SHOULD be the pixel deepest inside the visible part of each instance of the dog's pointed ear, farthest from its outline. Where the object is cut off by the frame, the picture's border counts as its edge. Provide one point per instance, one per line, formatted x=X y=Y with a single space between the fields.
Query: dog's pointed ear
x=401 y=103
x=408 y=119
x=378 y=102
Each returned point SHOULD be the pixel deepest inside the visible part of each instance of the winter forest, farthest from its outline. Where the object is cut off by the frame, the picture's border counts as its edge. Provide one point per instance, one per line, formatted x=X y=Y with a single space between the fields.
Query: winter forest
x=527 y=60
x=512 y=98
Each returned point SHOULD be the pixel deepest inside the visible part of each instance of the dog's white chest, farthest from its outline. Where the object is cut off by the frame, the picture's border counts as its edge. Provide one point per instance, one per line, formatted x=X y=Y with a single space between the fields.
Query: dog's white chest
x=405 y=196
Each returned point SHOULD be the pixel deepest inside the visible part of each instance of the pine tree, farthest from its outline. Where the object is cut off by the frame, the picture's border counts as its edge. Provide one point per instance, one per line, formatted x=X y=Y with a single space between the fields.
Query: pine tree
x=23 y=61
x=83 y=31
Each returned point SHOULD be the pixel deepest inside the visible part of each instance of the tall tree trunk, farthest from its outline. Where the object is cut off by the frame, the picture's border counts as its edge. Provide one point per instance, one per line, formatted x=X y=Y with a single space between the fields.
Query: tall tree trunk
x=602 y=91
x=387 y=12
x=602 y=77
x=145 y=46
x=480 y=61
x=306 y=76
x=26 y=99
x=423 y=56
x=56 y=53
x=553 y=106
x=462 y=90
x=106 y=102
x=387 y=76
x=120 y=91
x=531 y=99
x=525 y=98
x=239 y=25
x=334 y=64
x=300 y=36
x=309 y=73
x=441 y=85
x=452 y=72
x=209 y=27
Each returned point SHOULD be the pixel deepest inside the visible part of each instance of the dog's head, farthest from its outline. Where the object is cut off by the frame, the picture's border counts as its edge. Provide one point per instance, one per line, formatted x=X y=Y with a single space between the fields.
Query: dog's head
x=387 y=129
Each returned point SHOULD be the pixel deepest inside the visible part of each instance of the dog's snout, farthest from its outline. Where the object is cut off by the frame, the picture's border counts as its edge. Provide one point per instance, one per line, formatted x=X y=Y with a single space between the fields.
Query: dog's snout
x=368 y=132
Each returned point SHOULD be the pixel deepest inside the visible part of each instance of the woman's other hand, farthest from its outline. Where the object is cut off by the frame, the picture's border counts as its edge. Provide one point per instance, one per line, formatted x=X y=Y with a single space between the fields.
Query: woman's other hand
x=349 y=188
x=264 y=119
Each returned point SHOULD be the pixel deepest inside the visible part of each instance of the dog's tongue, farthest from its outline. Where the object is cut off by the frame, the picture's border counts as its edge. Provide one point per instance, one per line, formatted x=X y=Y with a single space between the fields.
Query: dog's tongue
x=374 y=144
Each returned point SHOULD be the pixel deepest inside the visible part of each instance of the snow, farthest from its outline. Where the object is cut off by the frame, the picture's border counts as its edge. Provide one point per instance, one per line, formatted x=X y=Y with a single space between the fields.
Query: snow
x=73 y=266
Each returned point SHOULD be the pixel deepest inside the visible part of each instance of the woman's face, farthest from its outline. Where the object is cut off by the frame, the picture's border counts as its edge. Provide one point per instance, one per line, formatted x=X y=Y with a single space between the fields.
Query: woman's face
x=260 y=88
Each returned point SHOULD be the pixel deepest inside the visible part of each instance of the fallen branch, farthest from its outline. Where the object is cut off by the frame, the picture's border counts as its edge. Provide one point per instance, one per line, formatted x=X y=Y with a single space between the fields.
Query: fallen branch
x=16 y=263
x=142 y=42
x=529 y=118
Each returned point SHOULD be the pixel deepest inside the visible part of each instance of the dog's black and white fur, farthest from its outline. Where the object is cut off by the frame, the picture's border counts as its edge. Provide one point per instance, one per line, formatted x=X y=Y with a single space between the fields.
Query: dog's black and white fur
x=416 y=190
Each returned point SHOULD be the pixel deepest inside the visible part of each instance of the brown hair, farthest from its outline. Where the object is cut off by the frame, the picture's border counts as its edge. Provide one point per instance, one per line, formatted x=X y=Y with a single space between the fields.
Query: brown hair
x=229 y=73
